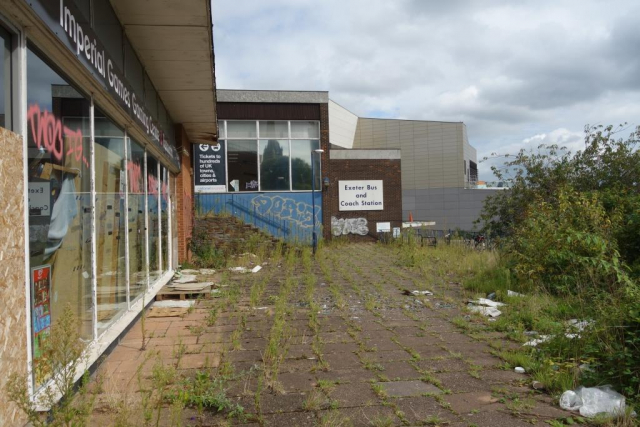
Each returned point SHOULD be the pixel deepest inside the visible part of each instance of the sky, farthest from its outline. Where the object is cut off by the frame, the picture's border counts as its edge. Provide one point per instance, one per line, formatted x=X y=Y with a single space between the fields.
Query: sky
x=518 y=74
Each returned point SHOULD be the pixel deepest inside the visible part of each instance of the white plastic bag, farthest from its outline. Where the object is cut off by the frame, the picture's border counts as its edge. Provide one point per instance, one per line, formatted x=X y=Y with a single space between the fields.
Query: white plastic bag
x=591 y=401
x=570 y=401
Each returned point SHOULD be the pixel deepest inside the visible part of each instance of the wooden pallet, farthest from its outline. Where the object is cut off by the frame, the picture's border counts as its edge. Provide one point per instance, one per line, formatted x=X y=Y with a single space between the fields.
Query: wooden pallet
x=168 y=293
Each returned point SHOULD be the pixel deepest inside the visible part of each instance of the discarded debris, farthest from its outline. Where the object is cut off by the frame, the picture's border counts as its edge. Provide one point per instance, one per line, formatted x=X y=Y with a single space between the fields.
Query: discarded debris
x=487 y=311
x=186 y=278
x=491 y=296
x=174 y=303
x=245 y=269
x=189 y=271
x=537 y=385
x=590 y=401
x=486 y=302
x=416 y=293
x=535 y=342
x=531 y=333
x=579 y=325
x=207 y=271
x=519 y=370
x=186 y=287
x=514 y=294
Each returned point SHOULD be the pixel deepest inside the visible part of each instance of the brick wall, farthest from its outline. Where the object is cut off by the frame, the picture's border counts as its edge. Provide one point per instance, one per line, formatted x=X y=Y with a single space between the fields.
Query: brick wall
x=184 y=187
x=389 y=171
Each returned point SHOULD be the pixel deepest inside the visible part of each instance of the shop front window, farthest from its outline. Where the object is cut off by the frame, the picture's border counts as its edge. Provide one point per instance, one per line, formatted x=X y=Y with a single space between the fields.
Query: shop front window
x=242 y=158
x=301 y=155
x=274 y=164
x=174 y=222
x=110 y=220
x=164 y=215
x=58 y=143
x=153 y=206
x=270 y=155
x=5 y=79
x=136 y=227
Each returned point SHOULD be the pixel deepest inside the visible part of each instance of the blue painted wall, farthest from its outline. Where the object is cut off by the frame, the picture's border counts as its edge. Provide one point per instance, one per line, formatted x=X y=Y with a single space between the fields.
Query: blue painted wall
x=283 y=214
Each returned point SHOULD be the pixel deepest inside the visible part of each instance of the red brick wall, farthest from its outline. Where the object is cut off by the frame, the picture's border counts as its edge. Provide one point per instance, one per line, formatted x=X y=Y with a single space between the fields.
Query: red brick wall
x=386 y=170
x=184 y=189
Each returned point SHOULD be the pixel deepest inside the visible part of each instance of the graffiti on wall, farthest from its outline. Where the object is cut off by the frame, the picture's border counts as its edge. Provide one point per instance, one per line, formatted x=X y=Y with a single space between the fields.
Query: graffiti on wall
x=49 y=133
x=342 y=226
x=296 y=211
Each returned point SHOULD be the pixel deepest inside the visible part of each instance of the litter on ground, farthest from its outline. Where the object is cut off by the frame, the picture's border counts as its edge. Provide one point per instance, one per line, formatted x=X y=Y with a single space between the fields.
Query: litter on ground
x=514 y=294
x=519 y=369
x=186 y=278
x=486 y=302
x=590 y=401
x=487 y=311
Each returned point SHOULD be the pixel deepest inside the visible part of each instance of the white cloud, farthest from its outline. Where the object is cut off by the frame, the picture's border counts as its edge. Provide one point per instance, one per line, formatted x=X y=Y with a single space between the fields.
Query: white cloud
x=512 y=71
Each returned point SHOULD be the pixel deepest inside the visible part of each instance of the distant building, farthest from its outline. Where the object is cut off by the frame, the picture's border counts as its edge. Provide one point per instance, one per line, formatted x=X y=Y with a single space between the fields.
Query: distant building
x=261 y=171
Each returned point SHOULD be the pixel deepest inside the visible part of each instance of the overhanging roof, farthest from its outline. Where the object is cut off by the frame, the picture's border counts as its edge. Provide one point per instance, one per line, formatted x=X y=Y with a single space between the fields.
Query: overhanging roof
x=174 y=42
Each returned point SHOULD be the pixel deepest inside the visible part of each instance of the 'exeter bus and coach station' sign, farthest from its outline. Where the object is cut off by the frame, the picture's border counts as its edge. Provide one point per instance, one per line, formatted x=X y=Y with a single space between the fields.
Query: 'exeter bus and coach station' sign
x=360 y=195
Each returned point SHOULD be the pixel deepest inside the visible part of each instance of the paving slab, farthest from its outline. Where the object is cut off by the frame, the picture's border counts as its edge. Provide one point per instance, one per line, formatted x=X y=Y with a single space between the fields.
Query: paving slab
x=408 y=388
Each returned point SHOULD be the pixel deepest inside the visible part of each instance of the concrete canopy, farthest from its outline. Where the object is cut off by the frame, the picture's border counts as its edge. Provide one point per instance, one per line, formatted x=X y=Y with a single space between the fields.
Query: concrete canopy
x=174 y=42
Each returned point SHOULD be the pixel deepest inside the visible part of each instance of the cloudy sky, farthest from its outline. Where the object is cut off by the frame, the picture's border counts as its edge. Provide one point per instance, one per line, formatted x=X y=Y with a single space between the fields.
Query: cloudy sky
x=517 y=73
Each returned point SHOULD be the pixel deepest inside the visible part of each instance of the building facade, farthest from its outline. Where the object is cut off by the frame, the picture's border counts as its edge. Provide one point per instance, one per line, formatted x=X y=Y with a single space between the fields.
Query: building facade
x=439 y=166
x=100 y=103
x=268 y=152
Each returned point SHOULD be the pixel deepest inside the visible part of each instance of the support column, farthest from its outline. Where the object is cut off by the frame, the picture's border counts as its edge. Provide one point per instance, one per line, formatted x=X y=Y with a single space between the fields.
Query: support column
x=184 y=193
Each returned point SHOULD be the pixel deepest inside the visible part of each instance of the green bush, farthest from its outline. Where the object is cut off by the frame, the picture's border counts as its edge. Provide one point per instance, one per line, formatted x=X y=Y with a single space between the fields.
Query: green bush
x=566 y=245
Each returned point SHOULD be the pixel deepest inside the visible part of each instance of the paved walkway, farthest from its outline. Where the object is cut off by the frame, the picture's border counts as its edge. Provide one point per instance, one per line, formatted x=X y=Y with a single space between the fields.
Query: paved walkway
x=332 y=342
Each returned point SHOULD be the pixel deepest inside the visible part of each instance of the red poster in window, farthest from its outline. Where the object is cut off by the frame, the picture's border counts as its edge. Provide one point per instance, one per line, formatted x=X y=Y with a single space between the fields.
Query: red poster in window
x=41 y=306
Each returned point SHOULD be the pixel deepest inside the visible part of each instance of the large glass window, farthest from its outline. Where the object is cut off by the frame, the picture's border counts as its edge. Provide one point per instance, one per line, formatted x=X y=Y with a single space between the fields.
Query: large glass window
x=270 y=155
x=164 y=215
x=242 y=158
x=110 y=220
x=136 y=227
x=174 y=222
x=301 y=155
x=153 y=205
x=274 y=164
x=5 y=80
x=58 y=141
x=241 y=130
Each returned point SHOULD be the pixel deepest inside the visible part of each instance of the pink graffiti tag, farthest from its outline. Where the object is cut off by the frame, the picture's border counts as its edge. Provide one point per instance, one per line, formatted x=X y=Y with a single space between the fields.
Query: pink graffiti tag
x=48 y=131
x=152 y=183
x=135 y=176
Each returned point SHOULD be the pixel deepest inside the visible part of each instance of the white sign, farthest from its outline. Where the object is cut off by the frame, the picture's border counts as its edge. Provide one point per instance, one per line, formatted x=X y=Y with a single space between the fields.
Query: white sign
x=383 y=227
x=360 y=195
x=40 y=199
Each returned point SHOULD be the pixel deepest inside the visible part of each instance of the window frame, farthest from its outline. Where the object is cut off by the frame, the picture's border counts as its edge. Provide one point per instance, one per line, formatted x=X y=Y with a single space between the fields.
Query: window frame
x=257 y=139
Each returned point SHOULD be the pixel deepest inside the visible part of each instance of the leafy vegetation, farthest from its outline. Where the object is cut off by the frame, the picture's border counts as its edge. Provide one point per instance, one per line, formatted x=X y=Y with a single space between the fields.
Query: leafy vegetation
x=570 y=228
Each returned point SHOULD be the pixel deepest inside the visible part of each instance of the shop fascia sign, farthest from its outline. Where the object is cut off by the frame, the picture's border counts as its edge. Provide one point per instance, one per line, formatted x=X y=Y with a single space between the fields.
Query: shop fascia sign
x=360 y=195
x=68 y=23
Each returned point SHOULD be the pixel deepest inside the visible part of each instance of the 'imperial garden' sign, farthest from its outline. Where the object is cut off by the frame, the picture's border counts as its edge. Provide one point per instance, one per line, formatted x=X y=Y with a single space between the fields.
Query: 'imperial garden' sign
x=360 y=195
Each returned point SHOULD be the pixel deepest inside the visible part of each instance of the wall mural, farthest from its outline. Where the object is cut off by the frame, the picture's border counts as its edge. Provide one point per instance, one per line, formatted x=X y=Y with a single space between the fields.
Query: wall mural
x=285 y=214
x=283 y=207
x=342 y=226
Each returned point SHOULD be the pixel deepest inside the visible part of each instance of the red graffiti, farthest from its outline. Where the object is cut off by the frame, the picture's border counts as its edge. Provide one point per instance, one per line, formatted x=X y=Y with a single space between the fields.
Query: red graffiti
x=135 y=177
x=152 y=183
x=48 y=131
x=165 y=191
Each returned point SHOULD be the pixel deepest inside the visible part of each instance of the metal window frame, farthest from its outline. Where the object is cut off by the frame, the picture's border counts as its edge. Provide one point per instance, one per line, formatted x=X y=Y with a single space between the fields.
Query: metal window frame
x=257 y=138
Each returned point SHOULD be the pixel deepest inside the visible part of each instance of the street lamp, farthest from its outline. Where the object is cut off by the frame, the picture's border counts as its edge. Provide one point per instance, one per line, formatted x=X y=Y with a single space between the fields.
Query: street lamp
x=314 y=235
